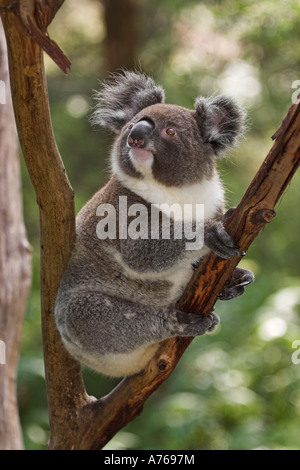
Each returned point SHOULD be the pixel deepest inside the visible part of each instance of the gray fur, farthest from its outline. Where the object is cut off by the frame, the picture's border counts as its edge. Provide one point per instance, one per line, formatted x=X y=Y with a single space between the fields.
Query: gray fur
x=117 y=298
x=221 y=120
x=123 y=98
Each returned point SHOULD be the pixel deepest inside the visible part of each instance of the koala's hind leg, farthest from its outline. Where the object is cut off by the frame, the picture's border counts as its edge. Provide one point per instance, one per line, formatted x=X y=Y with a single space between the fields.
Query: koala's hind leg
x=235 y=285
x=98 y=329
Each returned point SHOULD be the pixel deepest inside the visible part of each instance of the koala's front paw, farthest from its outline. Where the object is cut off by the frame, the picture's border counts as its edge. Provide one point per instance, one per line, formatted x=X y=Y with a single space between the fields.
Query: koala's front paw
x=219 y=241
x=235 y=286
x=193 y=324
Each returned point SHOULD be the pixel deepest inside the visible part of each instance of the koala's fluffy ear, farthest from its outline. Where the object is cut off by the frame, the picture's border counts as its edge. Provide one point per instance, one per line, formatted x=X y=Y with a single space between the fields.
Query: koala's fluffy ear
x=221 y=121
x=122 y=98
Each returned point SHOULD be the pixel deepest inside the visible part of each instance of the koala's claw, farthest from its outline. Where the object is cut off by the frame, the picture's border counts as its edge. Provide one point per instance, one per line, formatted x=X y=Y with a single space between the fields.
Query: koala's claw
x=193 y=324
x=245 y=283
x=235 y=286
x=214 y=321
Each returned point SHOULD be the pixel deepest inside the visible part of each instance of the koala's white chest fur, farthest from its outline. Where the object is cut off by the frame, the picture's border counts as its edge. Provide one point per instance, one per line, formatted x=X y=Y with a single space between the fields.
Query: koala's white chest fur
x=172 y=200
x=208 y=192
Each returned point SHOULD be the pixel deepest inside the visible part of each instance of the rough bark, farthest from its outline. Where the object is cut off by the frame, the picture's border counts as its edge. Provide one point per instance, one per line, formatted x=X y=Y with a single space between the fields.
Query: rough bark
x=76 y=420
x=15 y=263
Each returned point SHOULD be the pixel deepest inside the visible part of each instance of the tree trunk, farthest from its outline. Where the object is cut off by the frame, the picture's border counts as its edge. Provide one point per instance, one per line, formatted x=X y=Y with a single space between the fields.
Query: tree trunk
x=15 y=264
x=55 y=198
x=121 y=39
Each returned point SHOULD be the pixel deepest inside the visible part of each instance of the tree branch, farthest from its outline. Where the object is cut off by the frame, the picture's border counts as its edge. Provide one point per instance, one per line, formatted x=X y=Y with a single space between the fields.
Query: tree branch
x=76 y=420
x=35 y=16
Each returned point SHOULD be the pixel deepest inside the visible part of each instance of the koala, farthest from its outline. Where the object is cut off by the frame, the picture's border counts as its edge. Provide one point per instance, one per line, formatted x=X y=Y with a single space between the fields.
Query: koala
x=118 y=296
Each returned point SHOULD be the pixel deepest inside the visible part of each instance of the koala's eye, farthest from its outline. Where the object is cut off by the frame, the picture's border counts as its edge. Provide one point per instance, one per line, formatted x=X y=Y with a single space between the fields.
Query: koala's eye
x=130 y=126
x=170 y=131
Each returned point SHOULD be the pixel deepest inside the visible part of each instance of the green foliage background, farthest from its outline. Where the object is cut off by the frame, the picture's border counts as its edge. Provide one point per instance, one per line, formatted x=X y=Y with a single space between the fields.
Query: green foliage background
x=238 y=387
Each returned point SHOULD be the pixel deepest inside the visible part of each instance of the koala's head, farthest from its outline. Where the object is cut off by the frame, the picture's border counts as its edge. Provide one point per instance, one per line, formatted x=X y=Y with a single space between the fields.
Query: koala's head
x=173 y=144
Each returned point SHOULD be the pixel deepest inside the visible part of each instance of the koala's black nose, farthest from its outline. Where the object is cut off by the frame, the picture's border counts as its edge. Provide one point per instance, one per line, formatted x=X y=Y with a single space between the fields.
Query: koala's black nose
x=139 y=134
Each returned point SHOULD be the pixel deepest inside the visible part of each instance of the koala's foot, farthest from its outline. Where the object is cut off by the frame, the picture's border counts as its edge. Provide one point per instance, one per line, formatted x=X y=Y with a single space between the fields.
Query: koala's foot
x=218 y=240
x=193 y=324
x=235 y=286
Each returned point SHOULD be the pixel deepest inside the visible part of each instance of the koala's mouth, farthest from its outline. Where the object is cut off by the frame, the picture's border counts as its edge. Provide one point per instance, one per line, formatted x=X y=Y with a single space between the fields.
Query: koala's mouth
x=142 y=160
x=141 y=155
